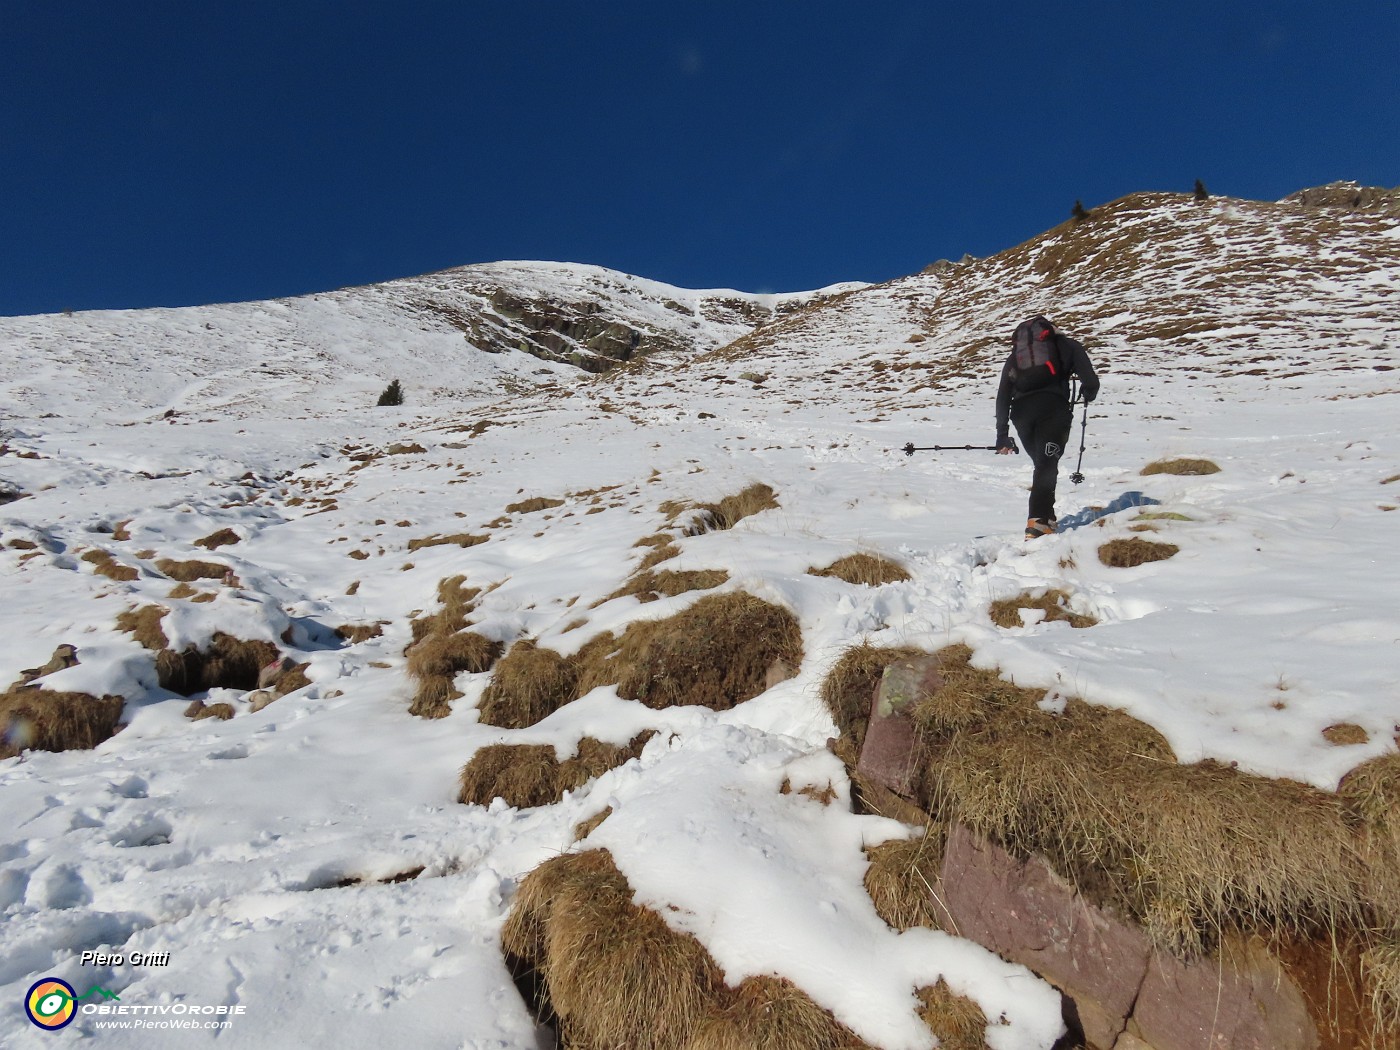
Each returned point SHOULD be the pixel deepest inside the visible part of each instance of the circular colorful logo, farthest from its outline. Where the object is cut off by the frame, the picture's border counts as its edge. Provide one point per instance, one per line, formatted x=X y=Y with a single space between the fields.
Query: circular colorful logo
x=49 y=1003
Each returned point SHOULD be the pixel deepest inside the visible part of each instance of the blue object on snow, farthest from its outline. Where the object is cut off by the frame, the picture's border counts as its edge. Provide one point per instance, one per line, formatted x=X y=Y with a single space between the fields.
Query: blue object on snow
x=1092 y=514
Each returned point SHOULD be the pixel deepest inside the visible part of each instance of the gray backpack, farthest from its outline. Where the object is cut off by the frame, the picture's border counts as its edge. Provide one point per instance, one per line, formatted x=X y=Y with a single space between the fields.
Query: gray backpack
x=1035 y=361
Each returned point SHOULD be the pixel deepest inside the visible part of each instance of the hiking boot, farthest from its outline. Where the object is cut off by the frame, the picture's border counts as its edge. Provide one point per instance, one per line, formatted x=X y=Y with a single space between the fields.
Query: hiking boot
x=1038 y=527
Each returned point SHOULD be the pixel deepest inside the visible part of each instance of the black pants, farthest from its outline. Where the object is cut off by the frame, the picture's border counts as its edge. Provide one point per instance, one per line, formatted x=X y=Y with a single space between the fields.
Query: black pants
x=1043 y=420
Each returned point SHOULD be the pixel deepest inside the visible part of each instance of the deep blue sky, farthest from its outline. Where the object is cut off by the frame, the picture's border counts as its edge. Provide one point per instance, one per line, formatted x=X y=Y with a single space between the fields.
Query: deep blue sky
x=156 y=153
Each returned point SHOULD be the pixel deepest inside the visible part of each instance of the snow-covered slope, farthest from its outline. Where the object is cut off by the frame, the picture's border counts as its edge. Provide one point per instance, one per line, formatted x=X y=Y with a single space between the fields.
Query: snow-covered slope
x=460 y=336
x=1260 y=336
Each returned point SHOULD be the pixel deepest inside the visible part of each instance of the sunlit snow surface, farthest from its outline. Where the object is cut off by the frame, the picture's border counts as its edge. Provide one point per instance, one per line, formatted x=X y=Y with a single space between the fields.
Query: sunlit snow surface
x=223 y=843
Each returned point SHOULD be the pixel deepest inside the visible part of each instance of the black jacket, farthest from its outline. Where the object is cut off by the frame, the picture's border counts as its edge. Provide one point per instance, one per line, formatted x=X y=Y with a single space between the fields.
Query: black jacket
x=1076 y=362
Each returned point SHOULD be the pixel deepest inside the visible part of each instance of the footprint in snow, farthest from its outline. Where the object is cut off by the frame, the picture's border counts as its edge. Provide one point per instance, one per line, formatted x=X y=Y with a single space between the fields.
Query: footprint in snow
x=149 y=830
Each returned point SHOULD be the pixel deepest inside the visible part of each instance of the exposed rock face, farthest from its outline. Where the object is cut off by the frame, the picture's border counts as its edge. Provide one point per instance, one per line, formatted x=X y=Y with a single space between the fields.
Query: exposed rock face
x=590 y=333
x=1126 y=994
x=1348 y=196
x=890 y=755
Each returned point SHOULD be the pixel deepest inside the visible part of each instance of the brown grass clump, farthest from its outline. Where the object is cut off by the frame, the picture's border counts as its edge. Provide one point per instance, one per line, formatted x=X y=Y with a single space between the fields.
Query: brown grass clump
x=611 y=973
x=45 y=720
x=438 y=659
x=659 y=552
x=529 y=506
x=227 y=663
x=584 y=828
x=188 y=571
x=456 y=600
x=222 y=538
x=355 y=633
x=1188 y=467
x=530 y=684
x=1345 y=733
x=772 y=1013
x=649 y=586
x=1126 y=553
x=528 y=775
x=614 y=974
x=143 y=624
x=105 y=565
x=714 y=654
x=957 y=1020
x=1380 y=972
x=461 y=539
x=1006 y=611
x=728 y=512
x=199 y=710
x=870 y=570
x=440 y=651
x=904 y=880
x=450 y=654
x=1190 y=851
x=850 y=687
x=292 y=680
x=183 y=590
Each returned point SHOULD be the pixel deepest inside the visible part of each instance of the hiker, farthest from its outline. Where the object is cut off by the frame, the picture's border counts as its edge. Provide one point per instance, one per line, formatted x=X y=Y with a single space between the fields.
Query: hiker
x=1034 y=394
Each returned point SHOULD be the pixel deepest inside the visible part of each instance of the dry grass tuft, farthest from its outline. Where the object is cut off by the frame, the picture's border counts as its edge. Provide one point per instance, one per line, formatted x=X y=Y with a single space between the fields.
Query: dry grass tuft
x=714 y=654
x=461 y=539
x=105 y=565
x=614 y=973
x=188 y=571
x=448 y=655
x=649 y=586
x=1345 y=733
x=1054 y=603
x=728 y=512
x=584 y=828
x=1126 y=553
x=456 y=599
x=433 y=697
x=850 y=687
x=227 y=663
x=1190 y=851
x=530 y=684
x=199 y=710
x=355 y=633
x=183 y=590
x=904 y=877
x=870 y=570
x=1380 y=972
x=526 y=775
x=529 y=506
x=144 y=625
x=438 y=659
x=659 y=552
x=222 y=538
x=958 y=1022
x=1371 y=795
x=292 y=680
x=45 y=720
x=772 y=1013
x=1188 y=467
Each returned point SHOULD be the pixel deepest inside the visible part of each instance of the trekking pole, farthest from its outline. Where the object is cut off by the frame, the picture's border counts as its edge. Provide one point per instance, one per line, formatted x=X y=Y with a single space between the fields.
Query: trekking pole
x=911 y=448
x=1078 y=477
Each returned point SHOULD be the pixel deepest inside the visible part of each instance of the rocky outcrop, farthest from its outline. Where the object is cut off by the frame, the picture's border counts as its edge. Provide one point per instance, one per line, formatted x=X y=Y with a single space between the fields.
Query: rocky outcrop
x=1123 y=993
x=1348 y=196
